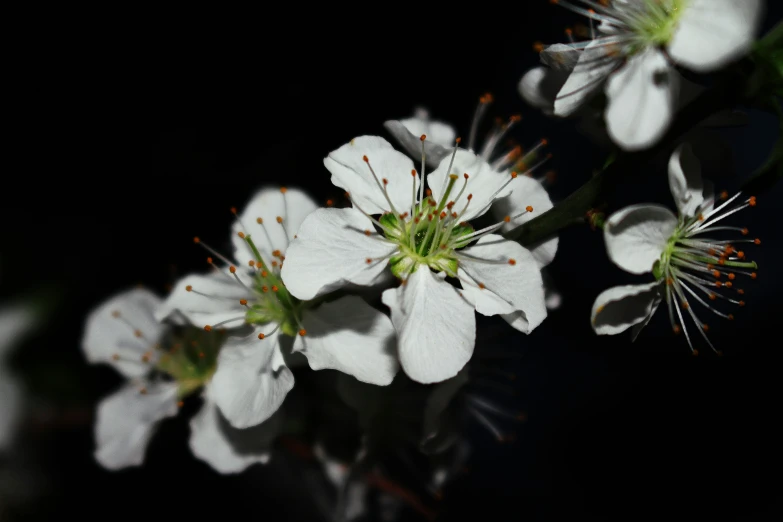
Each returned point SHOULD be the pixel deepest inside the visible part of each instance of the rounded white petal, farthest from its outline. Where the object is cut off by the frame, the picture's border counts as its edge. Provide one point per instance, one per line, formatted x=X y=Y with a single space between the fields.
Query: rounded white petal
x=251 y=380
x=712 y=33
x=268 y=204
x=539 y=87
x=16 y=321
x=408 y=133
x=485 y=184
x=527 y=192
x=124 y=326
x=435 y=326
x=595 y=64
x=127 y=419
x=351 y=173
x=637 y=235
x=619 y=308
x=350 y=336
x=10 y=408
x=685 y=180
x=642 y=97
x=520 y=284
x=213 y=299
x=228 y=449
x=331 y=250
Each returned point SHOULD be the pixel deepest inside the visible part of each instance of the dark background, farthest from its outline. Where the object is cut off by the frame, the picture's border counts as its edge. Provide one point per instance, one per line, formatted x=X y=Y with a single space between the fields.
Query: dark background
x=156 y=133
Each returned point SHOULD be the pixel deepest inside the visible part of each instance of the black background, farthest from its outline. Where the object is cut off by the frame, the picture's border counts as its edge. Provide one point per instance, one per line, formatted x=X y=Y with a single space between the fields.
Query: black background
x=144 y=137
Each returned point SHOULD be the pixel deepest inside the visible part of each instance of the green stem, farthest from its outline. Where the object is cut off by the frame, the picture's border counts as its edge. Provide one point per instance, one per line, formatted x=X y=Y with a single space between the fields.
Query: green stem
x=724 y=95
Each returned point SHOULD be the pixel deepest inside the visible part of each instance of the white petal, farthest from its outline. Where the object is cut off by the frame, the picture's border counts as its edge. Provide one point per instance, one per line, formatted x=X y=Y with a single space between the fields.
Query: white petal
x=268 y=204
x=10 y=408
x=595 y=64
x=130 y=335
x=519 y=285
x=213 y=299
x=351 y=173
x=485 y=184
x=127 y=420
x=539 y=87
x=619 y=308
x=350 y=336
x=642 y=95
x=436 y=327
x=712 y=33
x=527 y=192
x=408 y=132
x=228 y=449
x=251 y=380
x=331 y=250
x=439 y=400
x=685 y=180
x=560 y=57
x=637 y=235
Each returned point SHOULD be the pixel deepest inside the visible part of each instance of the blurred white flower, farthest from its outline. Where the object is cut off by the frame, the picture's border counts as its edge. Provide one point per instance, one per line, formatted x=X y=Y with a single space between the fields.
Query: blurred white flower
x=163 y=365
x=689 y=264
x=252 y=379
x=16 y=321
x=633 y=52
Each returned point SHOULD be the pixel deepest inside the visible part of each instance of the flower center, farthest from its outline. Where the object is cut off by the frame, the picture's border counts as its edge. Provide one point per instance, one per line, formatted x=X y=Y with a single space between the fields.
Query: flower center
x=270 y=301
x=654 y=22
x=190 y=357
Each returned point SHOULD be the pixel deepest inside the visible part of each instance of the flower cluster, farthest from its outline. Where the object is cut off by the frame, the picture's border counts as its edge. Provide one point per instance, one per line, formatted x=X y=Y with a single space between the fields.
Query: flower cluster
x=393 y=281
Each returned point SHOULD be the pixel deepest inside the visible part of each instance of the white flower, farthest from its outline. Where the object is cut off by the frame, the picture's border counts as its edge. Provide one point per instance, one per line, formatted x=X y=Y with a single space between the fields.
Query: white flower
x=252 y=378
x=689 y=265
x=163 y=367
x=422 y=240
x=633 y=51
x=16 y=321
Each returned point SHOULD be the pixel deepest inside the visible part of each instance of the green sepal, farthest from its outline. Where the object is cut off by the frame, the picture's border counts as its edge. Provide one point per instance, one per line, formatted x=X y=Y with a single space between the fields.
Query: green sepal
x=391 y=225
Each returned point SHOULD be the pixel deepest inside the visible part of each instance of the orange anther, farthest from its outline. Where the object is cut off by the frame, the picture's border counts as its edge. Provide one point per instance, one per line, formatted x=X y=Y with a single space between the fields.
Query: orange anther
x=302 y=332
x=728 y=284
x=724 y=195
x=713 y=296
x=260 y=221
x=512 y=262
x=283 y=190
x=716 y=274
x=721 y=261
x=143 y=391
x=261 y=336
x=279 y=219
x=264 y=273
x=718 y=284
x=232 y=269
x=753 y=275
x=274 y=288
x=729 y=249
x=264 y=289
x=329 y=203
x=201 y=355
x=367 y=233
x=366 y=160
x=368 y=260
x=685 y=305
x=481 y=285
x=423 y=137
x=752 y=201
x=189 y=288
x=740 y=291
x=428 y=192
x=470 y=196
x=757 y=241
x=742 y=303
x=251 y=263
x=180 y=404
x=676 y=329
x=744 y=231
x=465 y=175
x=385 y=181
x=732 y=276
x=731 y=317
x=243 y=302
x=741 y=254
x=138 y=333
x=234 y=210
x=209 y=260
x=538 y=47
x=507 y=219
x=514 y=175
x=705 y=327
x=207 y=328
x=196 y=240
x=529 y=208
x=241 y=235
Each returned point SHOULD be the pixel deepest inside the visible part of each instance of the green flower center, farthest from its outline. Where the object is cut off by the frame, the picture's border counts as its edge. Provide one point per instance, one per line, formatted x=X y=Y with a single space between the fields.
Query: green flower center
x=656 y=22
x=430 y=237
x=190 y=357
